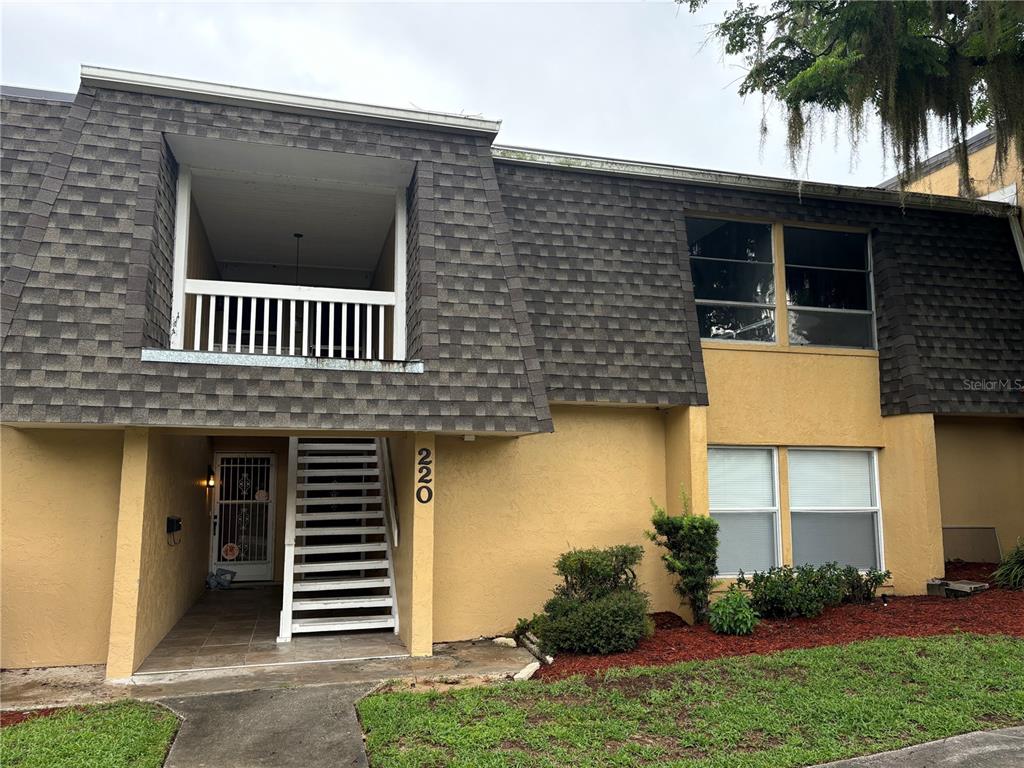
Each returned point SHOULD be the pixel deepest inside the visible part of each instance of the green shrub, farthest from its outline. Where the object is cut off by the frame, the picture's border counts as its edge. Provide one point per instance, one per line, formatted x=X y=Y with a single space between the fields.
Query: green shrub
x=692 y=544
x=784 y=592
x=591 y=573
x=1010 y=573
x=612 y=623
x=732 y=614
x=597 y=608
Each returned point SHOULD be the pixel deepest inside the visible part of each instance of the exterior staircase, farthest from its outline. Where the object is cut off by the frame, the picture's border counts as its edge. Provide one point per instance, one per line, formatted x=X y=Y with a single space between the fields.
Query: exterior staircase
x=339 y=533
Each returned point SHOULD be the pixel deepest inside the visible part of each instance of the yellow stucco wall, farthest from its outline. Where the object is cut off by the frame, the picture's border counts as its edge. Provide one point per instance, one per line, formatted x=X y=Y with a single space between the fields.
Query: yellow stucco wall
x=946 y=180
x=413 y=559
x=981 y=474
x=786 y=397
x=507 y=507
x=58 y=506
x=155 y=582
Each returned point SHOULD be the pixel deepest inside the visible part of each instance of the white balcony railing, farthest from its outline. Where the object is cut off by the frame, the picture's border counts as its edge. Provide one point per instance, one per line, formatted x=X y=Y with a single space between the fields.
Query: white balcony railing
x=259 y=318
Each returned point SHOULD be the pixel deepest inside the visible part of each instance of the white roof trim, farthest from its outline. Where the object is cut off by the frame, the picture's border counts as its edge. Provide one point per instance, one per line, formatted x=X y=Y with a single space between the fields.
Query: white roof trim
x=140 y=82
x=619 y=167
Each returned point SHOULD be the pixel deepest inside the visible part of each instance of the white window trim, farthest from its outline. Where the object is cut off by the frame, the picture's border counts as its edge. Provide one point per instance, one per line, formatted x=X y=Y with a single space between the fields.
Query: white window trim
x=876 y=509
x=775 y=511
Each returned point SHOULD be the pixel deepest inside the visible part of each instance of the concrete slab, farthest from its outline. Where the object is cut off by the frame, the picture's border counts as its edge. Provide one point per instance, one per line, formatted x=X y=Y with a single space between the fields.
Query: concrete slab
x=983 y=749
x=61 y=686
x=297 y=728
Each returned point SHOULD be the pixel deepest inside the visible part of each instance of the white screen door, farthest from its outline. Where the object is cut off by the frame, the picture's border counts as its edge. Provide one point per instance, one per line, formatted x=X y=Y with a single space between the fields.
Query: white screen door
x=243 y=515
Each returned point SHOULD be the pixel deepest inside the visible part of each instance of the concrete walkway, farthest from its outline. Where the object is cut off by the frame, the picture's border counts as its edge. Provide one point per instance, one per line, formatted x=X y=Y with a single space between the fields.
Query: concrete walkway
x=313 y=727
x=983 y=749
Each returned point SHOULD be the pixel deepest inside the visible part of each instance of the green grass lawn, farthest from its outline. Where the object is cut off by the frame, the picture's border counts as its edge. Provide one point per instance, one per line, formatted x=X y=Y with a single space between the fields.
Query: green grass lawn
x=794 y=708
x=127 y=734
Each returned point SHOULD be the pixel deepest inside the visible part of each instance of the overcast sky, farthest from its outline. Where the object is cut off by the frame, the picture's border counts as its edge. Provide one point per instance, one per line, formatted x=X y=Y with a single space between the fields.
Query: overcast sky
x=620 y=80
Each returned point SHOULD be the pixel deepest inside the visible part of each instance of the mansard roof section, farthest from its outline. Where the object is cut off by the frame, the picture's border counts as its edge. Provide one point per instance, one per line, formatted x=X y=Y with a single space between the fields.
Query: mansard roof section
x=218 y=93
x=91 y=286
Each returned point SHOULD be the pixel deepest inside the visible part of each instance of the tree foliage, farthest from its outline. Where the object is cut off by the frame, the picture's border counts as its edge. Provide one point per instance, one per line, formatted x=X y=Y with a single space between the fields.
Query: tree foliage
x=957 y=62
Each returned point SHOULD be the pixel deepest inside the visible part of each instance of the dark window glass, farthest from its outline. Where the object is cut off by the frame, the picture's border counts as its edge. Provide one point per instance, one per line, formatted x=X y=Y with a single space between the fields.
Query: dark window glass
x=733 y=240
x=743 y=323
x=733 y=281
x=821 y=248
x=838 y=289
x=833 y=329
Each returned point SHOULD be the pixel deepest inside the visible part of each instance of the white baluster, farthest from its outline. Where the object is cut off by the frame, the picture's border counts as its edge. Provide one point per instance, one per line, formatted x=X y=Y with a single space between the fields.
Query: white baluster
x=266 y=325
x=355 y=346
x=291 y=331
x=280 y=318
x=239 y=303
x=305 y=328
x=197 y=336
x=211 y=323
x=344 y=330
x=318 y=320
x=330 y=329
x=224 y=325
x=369 y=329
x=380 y=332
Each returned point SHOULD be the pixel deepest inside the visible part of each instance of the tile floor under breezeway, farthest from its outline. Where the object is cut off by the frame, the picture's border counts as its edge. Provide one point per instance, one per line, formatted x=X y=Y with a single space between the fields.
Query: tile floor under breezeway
x=238 y=628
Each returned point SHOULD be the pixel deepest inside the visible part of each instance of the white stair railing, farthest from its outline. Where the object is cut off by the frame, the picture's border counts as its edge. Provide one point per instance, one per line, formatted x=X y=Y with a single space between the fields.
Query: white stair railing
x=284 y=633
x=294 y=320
x=384 y=464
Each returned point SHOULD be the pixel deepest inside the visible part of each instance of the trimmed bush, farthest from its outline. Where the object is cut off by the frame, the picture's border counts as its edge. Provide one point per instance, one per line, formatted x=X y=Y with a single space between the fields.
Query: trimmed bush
x=1010 y=573
x=732 y=614
x=784 y=592
x=591 y=573
x=597 y=608
x=612 y=623
x=692 y=556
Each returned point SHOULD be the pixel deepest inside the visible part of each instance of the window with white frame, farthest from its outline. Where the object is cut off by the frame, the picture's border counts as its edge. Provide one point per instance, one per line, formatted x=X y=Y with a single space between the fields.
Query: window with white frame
x=743 y=495
x=834 y=508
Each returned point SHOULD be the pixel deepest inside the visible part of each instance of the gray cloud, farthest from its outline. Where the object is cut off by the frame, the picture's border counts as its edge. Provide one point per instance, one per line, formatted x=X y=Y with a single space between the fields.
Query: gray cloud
x=624 y=80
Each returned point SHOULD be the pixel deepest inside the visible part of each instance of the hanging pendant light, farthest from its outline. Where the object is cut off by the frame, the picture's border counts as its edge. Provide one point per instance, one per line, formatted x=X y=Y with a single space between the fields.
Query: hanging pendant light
x=298 y=237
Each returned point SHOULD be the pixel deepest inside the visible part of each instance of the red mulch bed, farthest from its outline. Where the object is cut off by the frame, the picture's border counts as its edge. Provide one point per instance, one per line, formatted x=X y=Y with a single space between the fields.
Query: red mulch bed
x=13 y=718
x=995 y=612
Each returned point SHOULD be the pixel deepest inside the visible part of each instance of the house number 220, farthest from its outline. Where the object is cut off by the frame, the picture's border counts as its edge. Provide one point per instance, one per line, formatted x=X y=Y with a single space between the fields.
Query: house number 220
x=425 y=472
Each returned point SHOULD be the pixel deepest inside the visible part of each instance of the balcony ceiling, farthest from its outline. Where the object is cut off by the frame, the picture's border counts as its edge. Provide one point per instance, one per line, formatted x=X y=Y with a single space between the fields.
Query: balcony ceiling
x=252 y=198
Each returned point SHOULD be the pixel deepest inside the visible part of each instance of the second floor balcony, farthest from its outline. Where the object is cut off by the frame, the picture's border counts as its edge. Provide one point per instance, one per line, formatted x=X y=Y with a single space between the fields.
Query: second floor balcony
x=291 y=255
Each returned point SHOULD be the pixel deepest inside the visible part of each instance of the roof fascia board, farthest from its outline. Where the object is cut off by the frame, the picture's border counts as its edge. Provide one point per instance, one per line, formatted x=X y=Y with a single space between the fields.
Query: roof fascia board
x=698 y=176
x=139 y=82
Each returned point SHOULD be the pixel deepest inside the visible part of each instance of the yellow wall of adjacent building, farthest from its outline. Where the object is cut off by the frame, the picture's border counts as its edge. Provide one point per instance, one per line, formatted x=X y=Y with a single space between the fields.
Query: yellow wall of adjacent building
x=981 y=474
x=508 y=507
x=58 y=505
x=981 y=164
x=157 y=577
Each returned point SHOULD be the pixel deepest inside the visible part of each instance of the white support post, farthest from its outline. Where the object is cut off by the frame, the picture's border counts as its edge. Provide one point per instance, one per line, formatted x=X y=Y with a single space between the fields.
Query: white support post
x=284 y=634
x=182 y=213
x=398 y=314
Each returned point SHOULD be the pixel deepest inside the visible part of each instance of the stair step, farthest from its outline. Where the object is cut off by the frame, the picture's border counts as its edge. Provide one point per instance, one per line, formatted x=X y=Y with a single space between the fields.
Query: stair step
x=341 y=603
x=333 y=624
x=323 y=585
x=369 y=459
x=368 y=514
x=352 y=530
x=330 y=549
x=341 y=486
x=338 y=472
x=370 y=447
x=341 y=565
x=338 y=500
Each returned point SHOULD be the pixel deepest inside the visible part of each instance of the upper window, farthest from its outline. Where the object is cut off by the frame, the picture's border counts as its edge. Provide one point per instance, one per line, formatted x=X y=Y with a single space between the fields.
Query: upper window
x=828 y=288
x=733 y=279
x=834 y=507
x=743 y=499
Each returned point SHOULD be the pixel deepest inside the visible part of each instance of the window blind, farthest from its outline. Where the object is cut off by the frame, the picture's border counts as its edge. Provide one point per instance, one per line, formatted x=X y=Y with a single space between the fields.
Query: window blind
x=824 y=479
x=740 y=478
x=746 y=541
